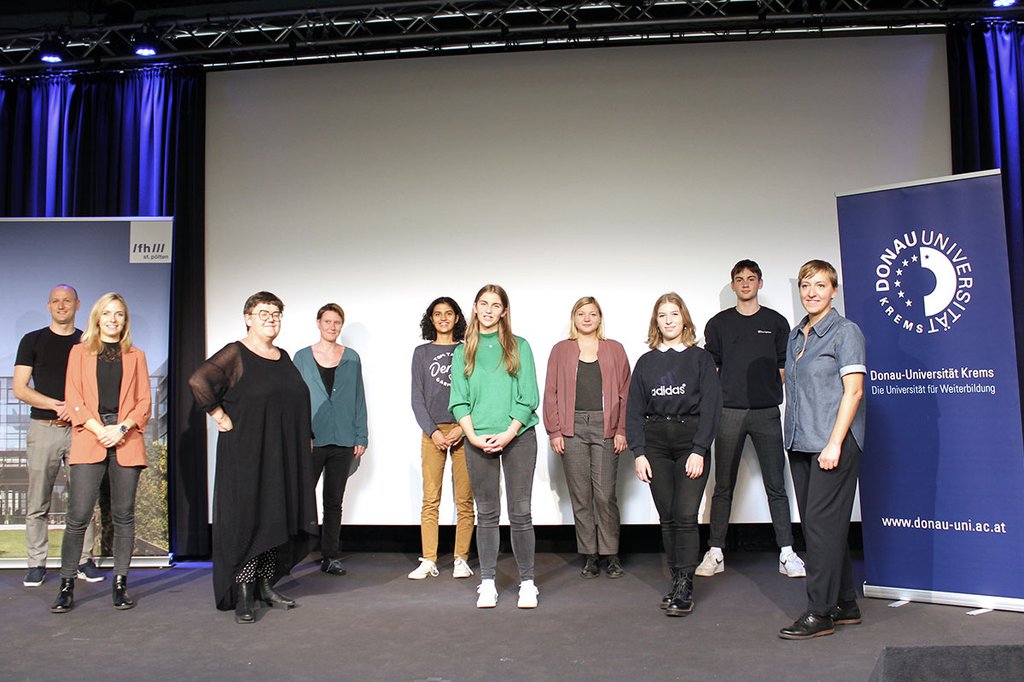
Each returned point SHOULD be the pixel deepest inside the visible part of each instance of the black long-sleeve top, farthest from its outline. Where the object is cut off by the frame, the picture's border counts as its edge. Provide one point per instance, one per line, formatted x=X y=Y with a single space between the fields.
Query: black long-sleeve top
x=672 y=383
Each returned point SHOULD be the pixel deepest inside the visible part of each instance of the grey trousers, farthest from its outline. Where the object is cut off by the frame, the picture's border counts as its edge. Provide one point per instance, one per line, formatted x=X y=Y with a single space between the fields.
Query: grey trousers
x=124 y=482
x=518 y=461
x=764 y=427
x=591 y=466
x=46 y=447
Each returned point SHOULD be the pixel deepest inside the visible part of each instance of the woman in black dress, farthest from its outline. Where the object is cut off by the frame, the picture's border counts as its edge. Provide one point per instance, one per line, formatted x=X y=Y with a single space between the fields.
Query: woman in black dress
x=264 y=512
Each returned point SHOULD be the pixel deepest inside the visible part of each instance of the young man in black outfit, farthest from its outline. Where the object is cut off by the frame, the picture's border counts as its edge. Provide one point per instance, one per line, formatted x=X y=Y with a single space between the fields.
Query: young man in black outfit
x=748 y=345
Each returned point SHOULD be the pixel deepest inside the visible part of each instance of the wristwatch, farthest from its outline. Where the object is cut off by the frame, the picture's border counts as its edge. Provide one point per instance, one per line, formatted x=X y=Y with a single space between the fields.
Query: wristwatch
x=124 y=429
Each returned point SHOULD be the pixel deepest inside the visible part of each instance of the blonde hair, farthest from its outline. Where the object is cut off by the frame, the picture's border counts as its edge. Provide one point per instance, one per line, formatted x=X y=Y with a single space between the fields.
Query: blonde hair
x=654 y=338
x=91 y=336
x=813 y=267
x=586 y=300
x=509 y=347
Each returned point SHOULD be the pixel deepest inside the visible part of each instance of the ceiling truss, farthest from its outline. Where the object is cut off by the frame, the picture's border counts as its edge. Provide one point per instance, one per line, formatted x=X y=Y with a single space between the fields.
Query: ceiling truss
x=419 y=27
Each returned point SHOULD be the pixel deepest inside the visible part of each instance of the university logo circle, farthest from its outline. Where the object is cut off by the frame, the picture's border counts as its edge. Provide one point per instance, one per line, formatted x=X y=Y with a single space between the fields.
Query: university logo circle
x=923 y=280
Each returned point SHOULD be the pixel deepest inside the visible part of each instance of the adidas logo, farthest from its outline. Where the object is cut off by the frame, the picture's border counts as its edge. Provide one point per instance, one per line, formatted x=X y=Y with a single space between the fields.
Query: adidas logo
x=669 y=390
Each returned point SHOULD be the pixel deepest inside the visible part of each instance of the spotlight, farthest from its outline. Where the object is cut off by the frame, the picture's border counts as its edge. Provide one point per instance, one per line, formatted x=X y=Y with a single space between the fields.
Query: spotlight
x=51 y=50
x=1004 y=3
x=145 y=42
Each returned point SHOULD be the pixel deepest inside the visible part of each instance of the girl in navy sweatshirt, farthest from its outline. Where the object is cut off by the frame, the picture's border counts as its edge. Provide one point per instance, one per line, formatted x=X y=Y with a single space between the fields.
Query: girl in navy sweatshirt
x=672 y=414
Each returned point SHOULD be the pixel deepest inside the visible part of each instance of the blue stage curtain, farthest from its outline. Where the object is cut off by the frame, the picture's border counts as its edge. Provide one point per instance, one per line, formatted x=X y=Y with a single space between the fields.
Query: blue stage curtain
x=986 y=82
x=126 y=144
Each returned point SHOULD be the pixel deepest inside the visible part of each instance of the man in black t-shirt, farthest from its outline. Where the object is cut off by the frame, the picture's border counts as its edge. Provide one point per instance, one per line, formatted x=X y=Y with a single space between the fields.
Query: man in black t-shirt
x=748 y=344
x=43 y=360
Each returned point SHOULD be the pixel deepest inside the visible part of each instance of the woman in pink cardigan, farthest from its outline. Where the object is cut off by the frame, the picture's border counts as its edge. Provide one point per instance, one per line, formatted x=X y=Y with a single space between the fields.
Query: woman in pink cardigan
x=585 y=417
x=108 y=397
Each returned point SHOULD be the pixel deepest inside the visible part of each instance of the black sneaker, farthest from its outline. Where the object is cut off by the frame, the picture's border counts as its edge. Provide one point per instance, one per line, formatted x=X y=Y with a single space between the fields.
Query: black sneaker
x=332 y=567
x=90 y=573
x=614 y=567
x=591 y=569
x=35 y=576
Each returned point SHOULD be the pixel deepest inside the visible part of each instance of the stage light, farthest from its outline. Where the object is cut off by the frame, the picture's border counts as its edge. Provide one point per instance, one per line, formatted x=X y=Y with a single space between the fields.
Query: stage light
x=1004 y=3
x=51 y=50
x=145 y=42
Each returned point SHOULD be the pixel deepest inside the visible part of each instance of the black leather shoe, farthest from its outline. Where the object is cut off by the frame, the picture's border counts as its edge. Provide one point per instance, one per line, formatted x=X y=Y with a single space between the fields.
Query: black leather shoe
x=65 y=598
x=591 y=569
x=271 y=597
x=845 y=613
x=245 y=609
x=122 y=602
x=614 y=568
x=332 y=566
x=667 y=597
x=681 y=601
x=807 y=626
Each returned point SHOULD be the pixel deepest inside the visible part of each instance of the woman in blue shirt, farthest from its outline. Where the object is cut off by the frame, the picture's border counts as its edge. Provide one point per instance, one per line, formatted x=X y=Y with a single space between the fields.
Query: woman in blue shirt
x=824 y=434
x=334 y=376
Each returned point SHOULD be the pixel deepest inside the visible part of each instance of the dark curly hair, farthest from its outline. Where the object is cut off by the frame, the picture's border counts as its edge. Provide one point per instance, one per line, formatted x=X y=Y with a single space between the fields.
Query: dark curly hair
x=427 y=330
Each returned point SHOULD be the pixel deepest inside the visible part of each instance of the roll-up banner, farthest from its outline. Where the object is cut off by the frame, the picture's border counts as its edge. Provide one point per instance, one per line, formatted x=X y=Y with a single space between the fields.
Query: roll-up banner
x=926 y=277
x=131 y=256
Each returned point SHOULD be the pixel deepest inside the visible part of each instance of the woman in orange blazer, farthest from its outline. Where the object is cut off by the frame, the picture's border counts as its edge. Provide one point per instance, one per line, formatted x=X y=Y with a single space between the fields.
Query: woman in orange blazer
x=108 y=398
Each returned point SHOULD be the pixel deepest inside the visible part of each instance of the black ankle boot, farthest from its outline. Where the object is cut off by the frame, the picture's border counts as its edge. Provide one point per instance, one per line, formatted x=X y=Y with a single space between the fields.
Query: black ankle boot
x=65 y=598
x=272 y=597
x=681 y=601
x=667 y=597
x=122 y=602
x=245 y=609
x=591 y=569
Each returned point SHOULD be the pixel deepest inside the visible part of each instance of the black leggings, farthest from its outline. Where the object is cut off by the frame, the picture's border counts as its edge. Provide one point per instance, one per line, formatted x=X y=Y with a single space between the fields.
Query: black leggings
x=677 y=497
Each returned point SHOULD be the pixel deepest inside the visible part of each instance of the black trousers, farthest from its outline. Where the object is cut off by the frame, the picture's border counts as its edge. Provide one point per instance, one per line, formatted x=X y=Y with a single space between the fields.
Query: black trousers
x=335 y=461
x=677 y=498
x=825 y=500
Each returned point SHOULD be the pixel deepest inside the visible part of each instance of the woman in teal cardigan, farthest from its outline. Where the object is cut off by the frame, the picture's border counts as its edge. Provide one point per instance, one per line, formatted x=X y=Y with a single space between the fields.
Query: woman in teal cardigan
x=334 y=375
x=494 y=397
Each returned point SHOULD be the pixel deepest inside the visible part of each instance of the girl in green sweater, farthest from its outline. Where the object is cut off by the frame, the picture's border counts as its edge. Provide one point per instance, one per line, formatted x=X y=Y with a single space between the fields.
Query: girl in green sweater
x=494 y=397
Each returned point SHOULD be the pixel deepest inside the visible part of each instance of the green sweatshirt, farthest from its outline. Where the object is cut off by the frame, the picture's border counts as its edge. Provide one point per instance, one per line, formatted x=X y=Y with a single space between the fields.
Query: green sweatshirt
x=491 y=396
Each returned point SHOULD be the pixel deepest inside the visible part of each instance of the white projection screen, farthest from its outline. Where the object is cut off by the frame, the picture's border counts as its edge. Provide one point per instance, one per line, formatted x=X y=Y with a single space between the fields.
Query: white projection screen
x=619 y=173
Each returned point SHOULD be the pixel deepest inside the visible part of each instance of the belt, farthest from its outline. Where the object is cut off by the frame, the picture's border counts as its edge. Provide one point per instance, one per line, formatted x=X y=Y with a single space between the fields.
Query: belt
x=654 y=418
x=54 y=422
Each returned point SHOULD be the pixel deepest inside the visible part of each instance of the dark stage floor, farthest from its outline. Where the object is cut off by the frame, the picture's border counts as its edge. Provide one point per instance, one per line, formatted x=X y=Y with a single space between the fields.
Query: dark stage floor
x=374 y=624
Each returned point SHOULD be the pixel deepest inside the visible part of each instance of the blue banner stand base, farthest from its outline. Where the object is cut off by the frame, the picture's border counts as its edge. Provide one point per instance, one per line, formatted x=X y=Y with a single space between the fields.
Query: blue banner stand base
x=946 y=598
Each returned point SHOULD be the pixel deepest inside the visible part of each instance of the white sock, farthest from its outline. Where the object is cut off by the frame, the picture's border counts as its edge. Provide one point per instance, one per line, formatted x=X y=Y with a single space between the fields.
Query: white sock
x=786 y=551
x=717 y=551
x=488 y=582
x=526 y=583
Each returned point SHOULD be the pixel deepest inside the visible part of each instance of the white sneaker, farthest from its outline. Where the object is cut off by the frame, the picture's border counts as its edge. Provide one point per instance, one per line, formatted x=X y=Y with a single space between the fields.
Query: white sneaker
x=488 y=598
x=792 y=566
x=462 y=569
x=712 y=563
x=426 y=567
x=528 y=595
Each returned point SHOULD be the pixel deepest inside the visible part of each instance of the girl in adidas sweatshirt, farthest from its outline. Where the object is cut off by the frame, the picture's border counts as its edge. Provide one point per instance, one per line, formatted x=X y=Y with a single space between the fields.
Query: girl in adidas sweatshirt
x=672 y=413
